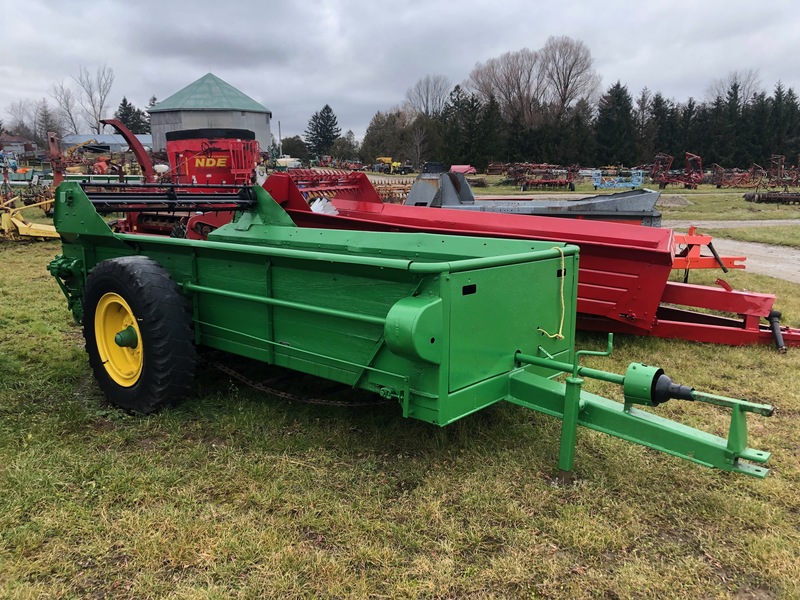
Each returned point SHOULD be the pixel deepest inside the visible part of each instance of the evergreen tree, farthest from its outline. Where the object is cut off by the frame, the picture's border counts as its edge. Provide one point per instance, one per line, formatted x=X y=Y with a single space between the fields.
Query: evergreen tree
x=133 y=118
x=382 y=138
x=345 y=147
x=645 y=127
x=720 y=134
x=665 y=126
x=491 y=135
x=688 y=135
x=791 y=145
x=143 y=118
x=46 y=120
x=578 y=140
x=462 y=128
x=734 y=106
x=777 y=119
x=615 y=128
x=472 y=141
x=150 y=104
x=322 y=131
x=125 y=112
x=700 y=134
x=518 y=140
x=754 y=144
x=454 y=135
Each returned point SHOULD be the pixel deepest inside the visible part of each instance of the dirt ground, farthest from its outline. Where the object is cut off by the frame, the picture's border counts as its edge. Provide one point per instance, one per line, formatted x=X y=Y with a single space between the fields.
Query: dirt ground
x=777 y=261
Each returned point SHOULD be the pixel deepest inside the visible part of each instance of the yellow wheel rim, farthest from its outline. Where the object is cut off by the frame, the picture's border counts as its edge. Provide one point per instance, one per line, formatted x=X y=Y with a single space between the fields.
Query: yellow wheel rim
x=122 y=363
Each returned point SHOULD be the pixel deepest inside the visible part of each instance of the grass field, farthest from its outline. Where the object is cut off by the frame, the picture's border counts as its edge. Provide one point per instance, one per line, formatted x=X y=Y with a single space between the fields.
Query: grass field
x=728 y=205
x=776 y=235
x=234 y=493
x=706 y=202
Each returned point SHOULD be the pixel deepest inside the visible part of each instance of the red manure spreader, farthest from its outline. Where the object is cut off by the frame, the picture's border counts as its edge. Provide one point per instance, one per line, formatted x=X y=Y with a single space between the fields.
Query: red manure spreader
x=623 y=280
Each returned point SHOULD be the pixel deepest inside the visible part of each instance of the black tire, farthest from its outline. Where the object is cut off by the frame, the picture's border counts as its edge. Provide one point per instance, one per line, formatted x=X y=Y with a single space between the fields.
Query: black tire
x=136 y=293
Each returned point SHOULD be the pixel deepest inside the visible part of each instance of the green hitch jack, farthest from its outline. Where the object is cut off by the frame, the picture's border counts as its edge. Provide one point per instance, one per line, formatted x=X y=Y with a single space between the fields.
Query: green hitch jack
x=569 y=430
x=572 y=408
x=642 y=385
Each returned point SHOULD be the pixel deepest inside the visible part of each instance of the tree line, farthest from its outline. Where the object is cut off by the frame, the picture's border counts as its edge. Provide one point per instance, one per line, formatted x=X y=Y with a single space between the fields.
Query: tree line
x=546 y=106
x=541 y=105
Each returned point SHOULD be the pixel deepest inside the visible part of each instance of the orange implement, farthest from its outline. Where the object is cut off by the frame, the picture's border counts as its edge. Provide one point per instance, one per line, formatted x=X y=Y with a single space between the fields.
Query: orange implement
x=690 y=255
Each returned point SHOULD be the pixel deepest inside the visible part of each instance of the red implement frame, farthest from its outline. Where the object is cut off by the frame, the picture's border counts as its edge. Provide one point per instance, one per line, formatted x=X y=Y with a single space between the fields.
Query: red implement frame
x=136 y=147
x=779 y=175
x=624 y=269
x=56 y=160
x=734 y=178
x=544 y=176
x=661 y=173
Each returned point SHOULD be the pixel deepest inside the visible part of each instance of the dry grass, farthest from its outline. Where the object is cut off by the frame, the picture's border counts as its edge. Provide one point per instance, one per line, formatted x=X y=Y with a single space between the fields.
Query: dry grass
x=234 y=494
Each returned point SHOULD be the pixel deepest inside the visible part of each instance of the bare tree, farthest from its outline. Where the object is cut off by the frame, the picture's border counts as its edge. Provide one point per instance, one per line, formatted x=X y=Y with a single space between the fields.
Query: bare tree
x=749 y=83
x=67 y=106
x=416 y=144
x=23 y=115
x=429 y=95
x=516 y=81
x=94 y=94
x=568 y=68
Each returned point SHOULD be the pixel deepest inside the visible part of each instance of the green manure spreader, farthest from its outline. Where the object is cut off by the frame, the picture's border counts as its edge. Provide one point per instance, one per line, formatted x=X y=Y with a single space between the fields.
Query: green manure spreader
x=443 y=325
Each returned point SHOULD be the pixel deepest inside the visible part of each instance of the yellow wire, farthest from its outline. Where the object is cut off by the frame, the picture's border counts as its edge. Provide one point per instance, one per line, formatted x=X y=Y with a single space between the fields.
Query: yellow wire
x=559 y=335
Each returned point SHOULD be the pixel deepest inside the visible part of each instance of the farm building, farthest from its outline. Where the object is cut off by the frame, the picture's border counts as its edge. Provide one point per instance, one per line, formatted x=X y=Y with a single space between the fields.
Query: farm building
x=16 y=144
x=209 y=102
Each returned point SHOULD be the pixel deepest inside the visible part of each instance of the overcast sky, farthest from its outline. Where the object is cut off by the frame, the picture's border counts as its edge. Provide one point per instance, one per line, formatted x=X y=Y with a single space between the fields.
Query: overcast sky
x=361 y=57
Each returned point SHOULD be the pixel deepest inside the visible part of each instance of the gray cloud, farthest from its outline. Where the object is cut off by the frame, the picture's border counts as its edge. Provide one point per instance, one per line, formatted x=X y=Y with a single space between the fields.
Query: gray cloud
x=361 y=57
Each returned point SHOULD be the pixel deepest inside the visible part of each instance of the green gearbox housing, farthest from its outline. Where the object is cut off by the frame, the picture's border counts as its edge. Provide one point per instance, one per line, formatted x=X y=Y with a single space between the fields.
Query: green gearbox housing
x=446 y=325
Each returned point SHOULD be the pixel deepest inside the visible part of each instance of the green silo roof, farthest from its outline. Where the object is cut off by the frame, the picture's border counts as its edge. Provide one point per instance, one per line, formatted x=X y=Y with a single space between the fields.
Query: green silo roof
x=209 y=93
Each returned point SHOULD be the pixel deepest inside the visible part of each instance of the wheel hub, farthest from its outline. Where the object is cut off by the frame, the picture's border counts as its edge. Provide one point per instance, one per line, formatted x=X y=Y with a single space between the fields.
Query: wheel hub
x=117 y=334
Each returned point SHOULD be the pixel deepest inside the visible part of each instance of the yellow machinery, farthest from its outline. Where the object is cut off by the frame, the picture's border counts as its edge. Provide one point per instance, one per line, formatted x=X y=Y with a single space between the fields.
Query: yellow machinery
x=14 y=226
x=385 y=164
x=71 y=150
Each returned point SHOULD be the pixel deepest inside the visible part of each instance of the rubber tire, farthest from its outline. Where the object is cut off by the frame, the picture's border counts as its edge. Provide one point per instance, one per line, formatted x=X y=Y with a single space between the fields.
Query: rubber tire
x=165 y=324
